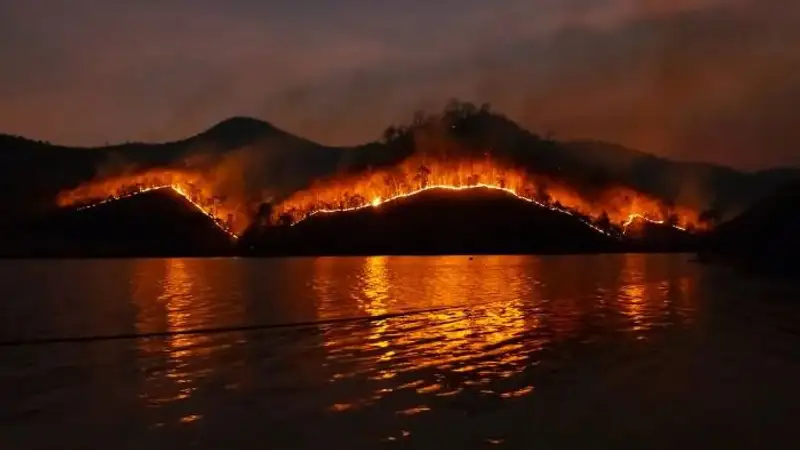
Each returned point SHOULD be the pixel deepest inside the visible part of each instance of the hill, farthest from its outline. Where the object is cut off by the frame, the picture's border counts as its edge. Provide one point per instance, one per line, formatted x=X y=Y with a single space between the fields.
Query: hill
x=586 y=165
x=701 y=185
x=440 y=221
x=270 y=160
x=764 y=238
x=162 y=222
x=32 y=173
x=155 y=223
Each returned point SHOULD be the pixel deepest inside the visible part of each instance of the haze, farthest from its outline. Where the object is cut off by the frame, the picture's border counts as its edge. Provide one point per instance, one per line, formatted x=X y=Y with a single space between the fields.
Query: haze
x=710 y=80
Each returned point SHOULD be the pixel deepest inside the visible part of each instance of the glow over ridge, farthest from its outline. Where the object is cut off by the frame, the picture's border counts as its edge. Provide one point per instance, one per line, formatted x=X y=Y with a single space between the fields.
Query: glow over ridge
x=377 y=202
x=178 y=190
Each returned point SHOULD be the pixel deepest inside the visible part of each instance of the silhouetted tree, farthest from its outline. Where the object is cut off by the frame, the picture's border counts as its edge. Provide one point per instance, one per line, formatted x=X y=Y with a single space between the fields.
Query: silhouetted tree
x=468 y=110
x=390 y=134
x=392 y=183
x=422 y=176
x=672 y=220
x=603 y=221
x=527 y=192
x=355 y=201
x=264 y=214
x=194 y=192
x=541 y=193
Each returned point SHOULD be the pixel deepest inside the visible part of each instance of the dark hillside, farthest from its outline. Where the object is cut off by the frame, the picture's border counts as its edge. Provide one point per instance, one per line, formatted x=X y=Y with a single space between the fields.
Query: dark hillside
x=157 y=223
x=449 y=222
x=763 y=238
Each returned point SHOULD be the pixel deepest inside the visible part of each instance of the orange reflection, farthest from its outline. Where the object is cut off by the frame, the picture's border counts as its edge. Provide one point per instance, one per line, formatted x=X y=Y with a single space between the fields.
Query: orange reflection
x=375 y=287
x=633 y=292
x=473 y=340
x=462 y=327
x=172 y=295
x=177 y=298
x=650 y=288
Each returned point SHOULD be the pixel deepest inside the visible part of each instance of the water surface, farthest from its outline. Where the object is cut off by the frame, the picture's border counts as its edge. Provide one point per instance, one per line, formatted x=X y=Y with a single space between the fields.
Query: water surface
x=618 y=351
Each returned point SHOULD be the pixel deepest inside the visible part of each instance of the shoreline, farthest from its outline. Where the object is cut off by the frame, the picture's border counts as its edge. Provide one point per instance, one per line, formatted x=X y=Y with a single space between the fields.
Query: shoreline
x=45 y=256
x=758 y=266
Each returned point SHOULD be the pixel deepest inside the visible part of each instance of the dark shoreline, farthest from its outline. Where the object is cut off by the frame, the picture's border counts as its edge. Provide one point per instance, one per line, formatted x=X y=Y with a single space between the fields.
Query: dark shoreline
x=760 y=267
x=164 y=225
x=200 y=255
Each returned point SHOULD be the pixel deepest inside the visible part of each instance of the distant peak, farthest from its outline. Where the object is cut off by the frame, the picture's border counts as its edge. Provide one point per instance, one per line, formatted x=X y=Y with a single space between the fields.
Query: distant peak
x=239 y=129
x=242 y=123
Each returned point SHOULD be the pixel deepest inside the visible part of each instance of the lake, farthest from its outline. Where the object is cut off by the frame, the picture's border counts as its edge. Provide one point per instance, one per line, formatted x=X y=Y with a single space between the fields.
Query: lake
x=555 y=352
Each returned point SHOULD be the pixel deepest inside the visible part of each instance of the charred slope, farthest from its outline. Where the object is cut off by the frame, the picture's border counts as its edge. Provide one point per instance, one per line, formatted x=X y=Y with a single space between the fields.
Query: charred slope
x=642 y=235
x=157 y=223
x=764 y=238
x=436 y=222
x=32 y=173
x=699 y=185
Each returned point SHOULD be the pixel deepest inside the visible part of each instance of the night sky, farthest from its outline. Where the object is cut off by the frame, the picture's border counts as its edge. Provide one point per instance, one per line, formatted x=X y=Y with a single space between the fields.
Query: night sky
x=713 y=80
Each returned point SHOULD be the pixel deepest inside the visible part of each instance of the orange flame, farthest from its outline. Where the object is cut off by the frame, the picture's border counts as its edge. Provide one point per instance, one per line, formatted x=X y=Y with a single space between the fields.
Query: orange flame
x=191 y=186
x=622 y=206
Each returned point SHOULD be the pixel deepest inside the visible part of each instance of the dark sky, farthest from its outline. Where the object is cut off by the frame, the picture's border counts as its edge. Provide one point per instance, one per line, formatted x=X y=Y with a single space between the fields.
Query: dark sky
x=714 y=80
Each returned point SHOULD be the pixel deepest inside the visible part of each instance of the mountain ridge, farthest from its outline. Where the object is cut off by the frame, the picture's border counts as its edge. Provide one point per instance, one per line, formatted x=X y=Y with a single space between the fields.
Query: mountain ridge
x=35 y=171
x=763 y=238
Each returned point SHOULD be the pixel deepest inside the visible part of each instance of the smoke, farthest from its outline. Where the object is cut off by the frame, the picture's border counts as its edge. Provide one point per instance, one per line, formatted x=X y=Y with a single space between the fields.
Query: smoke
x=705 y=80
x=233 y=181
x=239 y=179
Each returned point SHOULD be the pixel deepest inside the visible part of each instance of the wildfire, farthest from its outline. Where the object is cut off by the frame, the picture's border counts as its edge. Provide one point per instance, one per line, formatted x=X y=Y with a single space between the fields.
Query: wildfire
x=188 y=185
x=634 y=217
x=377 y=201
x=610 y=211
x=612 y=208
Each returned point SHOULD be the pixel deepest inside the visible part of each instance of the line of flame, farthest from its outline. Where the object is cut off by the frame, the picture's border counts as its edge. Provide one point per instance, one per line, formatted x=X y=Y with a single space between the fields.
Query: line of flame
x=177 y=189
x=634 y=217
x=377 y=202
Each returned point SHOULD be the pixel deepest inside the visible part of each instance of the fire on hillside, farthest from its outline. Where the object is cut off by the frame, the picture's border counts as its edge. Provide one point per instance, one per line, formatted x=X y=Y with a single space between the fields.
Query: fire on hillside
x=604 y=210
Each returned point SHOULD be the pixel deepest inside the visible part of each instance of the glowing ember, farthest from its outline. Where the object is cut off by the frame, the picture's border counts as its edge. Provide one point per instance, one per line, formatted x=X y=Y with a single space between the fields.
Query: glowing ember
x=229 y=212
x=634 y=217
x=604 y=211
x=177 y=189
x=610 y=211
x=377 y=202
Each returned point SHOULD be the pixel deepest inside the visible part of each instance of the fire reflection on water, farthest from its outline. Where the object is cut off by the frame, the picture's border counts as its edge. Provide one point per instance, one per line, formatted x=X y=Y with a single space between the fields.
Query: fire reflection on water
x=171 y=296
x=647 y=302
x=634 y=294
x=436 y=331
x=432 y=350
x=471 y=326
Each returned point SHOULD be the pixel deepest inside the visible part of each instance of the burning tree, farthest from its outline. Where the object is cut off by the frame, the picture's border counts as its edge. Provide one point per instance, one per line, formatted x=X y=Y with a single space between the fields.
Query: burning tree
x=423 y=173
x=603 y=222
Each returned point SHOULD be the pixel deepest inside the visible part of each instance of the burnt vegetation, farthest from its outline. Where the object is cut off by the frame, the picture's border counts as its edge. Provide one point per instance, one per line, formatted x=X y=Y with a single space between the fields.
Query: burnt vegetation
x=34 y=172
